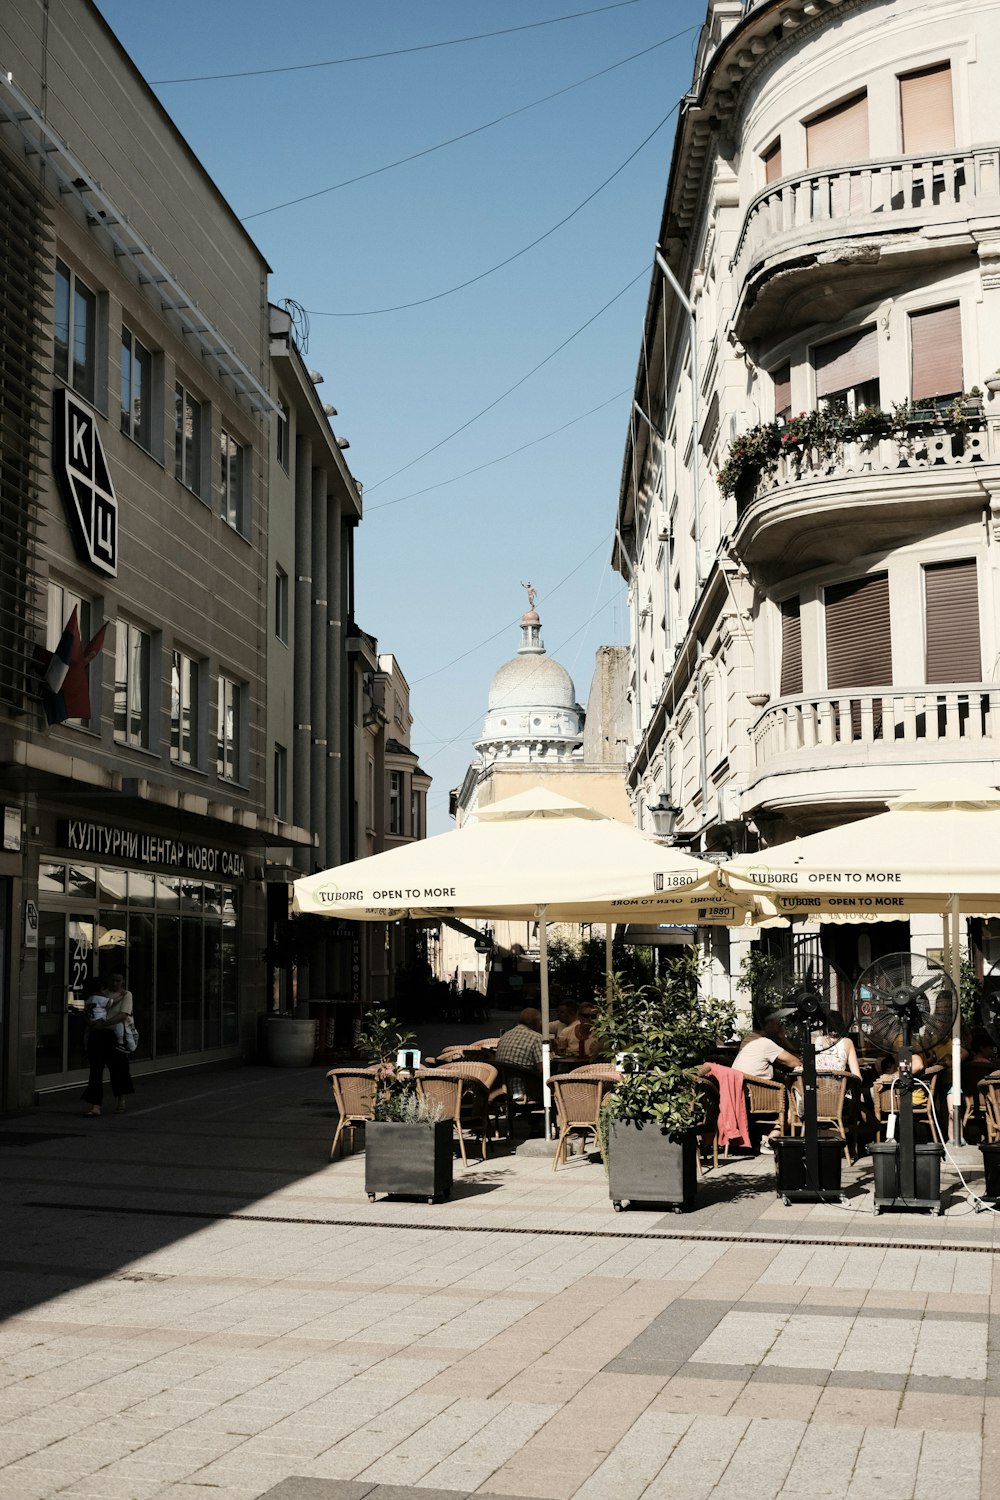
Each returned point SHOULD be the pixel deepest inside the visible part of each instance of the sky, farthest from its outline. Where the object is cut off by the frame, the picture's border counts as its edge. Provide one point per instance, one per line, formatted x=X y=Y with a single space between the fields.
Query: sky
x=487 y=424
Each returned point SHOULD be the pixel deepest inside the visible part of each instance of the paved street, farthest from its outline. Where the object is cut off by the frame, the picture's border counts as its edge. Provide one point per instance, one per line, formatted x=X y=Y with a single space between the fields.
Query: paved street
x=200 y=1305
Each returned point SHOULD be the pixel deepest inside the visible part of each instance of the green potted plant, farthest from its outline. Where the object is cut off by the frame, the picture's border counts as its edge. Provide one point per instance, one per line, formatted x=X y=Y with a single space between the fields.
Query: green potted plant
x=661 y=1033
x=408 y=1146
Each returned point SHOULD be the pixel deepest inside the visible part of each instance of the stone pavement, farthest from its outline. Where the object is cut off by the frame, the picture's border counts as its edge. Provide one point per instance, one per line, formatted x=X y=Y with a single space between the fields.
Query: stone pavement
x=199 y=1306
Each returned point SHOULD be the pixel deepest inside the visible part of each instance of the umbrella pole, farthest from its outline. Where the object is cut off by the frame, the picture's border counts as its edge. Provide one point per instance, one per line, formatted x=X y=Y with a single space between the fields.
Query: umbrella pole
x=955 y=954
x=543 y=964
x=608 y=938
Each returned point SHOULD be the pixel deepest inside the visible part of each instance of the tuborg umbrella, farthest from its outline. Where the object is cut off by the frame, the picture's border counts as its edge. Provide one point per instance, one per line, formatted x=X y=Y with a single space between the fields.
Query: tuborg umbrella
x=536 y=856
x=937 y=849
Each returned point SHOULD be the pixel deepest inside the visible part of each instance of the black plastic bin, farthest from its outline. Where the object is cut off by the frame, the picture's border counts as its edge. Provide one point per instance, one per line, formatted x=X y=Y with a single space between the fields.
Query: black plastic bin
x=792 y=1169
x=991 y=1169
x=926 y=1177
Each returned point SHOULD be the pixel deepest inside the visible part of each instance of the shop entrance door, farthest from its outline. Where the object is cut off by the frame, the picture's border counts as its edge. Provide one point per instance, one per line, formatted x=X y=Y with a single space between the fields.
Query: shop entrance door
x=65 y=963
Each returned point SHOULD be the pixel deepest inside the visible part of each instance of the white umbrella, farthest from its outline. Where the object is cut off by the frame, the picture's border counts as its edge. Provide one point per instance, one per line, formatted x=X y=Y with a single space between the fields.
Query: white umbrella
x=537 y=856
x=937 y=849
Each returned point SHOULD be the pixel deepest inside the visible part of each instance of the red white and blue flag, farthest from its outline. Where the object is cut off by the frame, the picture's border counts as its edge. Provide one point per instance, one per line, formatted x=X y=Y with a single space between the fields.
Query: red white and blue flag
x=66 y=684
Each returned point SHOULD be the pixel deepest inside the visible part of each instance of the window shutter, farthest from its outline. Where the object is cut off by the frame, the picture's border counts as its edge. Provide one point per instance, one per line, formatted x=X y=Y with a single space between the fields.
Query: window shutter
x=772 y=161
x=858 y=646
x=846 y=362
x=926 y=109
x=782 y=378
x=839 y=135
x=936 y=367
x=952 y=621
x=791 y=649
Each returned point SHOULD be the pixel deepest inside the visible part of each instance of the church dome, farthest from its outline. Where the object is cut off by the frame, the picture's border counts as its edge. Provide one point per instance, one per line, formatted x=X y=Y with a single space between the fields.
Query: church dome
x=532 y=711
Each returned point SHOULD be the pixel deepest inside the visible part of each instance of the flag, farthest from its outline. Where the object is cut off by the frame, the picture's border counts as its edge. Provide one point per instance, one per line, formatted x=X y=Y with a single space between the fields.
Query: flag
x=66 y=685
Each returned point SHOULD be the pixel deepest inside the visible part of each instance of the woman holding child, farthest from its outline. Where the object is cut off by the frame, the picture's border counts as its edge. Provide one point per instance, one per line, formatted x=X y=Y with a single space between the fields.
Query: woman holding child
x=107 y=1001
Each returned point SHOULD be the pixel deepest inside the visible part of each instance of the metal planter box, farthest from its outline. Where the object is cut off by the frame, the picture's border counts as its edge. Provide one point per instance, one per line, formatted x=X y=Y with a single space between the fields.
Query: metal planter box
x=991 y=1170
x=408 y=1161
x=926 y=1176
x=792 y=1170
x=647 y=1165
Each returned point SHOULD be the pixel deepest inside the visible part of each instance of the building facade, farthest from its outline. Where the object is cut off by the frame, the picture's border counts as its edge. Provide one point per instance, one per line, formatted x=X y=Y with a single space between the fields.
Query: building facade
x=807 y=518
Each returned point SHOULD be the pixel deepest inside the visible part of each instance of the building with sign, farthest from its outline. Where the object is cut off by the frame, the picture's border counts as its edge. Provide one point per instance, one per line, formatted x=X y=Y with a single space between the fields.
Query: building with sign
x=808 y=513
x=138 y=411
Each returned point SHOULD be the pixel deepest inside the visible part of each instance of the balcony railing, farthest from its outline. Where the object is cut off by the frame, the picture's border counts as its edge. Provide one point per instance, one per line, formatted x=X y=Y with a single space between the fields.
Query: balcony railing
x=933 y=444
x=836 y=200
x=880 y=722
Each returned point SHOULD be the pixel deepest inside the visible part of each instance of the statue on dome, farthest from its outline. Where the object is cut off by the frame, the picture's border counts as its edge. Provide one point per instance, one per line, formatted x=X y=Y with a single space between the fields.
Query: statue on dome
x=531 y=594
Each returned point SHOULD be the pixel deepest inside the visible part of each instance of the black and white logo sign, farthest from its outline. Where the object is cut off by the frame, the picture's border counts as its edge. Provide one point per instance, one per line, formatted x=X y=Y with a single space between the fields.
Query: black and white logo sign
x=85 y=482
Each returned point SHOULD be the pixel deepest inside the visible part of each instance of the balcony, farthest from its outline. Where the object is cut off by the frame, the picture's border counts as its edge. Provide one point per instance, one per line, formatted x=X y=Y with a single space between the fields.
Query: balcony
x=798 y=230
x=833 y=746
x=815 y=505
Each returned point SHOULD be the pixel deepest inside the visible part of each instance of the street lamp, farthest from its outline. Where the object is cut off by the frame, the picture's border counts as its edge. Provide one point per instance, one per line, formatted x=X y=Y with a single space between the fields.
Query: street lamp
x=664 y=815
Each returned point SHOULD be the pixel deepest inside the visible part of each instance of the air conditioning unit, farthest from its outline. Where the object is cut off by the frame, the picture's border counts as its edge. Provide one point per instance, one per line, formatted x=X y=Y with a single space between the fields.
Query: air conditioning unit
x=730 y=801
x=664 y=532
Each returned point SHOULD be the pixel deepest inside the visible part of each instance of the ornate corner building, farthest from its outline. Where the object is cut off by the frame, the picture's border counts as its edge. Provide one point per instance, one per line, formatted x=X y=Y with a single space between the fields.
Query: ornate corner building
x=807 y=518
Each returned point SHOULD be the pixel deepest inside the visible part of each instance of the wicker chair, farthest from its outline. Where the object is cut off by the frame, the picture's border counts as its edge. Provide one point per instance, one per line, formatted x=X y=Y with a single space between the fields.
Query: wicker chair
x=577 y=1097
x=973 y=1074
x=354 y=1095
x=523 y=1093
x=767 y=1101
x=463 y=1091
x=886 y=1100
x=836 y=1105
x=989 y=1094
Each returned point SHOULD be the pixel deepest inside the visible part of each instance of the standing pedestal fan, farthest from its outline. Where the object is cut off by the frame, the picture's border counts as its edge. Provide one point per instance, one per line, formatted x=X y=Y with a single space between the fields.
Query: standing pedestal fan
x=808 y=1168
x=905 y=1003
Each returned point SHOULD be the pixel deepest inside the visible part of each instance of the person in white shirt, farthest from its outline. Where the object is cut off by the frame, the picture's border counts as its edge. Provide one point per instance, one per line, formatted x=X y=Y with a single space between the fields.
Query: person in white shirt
x=758 y=1055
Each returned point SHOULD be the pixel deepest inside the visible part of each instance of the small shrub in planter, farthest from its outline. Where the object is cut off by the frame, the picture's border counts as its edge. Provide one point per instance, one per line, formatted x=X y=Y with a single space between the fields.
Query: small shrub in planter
x=408 y=1146
x=662 y=1032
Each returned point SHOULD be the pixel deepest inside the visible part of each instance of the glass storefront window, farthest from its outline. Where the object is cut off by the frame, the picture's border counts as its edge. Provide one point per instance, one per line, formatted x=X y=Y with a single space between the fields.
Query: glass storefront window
x=51 y=878
x=168 y=893
x=113 y=884
x=191 y=895
x=82 y=881
x=141 y=888
x=192 y=979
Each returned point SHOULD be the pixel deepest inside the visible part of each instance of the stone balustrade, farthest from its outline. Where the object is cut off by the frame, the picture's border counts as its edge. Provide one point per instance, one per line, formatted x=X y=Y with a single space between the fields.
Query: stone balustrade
x=865 y=197
x=878 y=724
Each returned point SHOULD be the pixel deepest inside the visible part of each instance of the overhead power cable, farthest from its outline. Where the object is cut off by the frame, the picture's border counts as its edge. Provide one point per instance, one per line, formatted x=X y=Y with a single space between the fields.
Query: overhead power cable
x=510 y=623
x=510 y=389
x=338 y=62
x=490 y=462
x=374 y=312
x=465 y=134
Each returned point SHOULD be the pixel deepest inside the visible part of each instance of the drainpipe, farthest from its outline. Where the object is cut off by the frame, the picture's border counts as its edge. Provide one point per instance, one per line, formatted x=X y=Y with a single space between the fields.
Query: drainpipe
x=695 y=402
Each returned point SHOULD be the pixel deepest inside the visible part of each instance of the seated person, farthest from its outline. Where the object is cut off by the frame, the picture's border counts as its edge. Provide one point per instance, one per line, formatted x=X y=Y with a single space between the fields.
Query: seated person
x=577 y=1040
x=521 y=1046
x=835 y=1052
x=565 y=1016
x=890 y=1075
x=760 y=1050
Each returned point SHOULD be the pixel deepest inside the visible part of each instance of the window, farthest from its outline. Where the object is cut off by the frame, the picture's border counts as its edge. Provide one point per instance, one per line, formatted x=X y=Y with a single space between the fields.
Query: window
x=188 y=417
x=229 y=759
x=132 y=656
x=936 y=365
x=782 y=378
x=926 y=110
x=791 y=649
x=282 y=435
x=838 y=135
x=951 y=605
x=281 y=604
x=772 y=161
x=847 y=371
x=858 y=647
x=60 y=604
x=232 y=481
x=395 y=801
x=416 y=825
x=76 y=332
x=185 y=684
x=281 y=783
x=136 y=390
